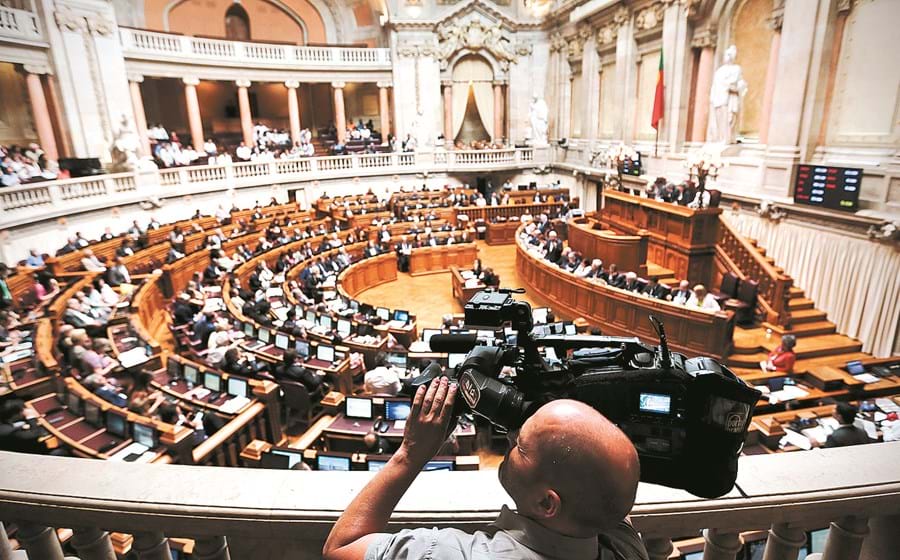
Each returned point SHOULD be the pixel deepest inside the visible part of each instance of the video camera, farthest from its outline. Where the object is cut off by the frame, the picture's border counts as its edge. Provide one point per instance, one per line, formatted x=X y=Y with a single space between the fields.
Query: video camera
x=687 y=418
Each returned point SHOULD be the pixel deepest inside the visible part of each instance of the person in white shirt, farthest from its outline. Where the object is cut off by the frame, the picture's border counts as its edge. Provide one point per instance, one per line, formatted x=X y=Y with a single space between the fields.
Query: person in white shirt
x=701 y=200
x=91 y=263
x=683 y=293
x=703 y=299
x=210 y=147
x=243 y=152
x=383 y=379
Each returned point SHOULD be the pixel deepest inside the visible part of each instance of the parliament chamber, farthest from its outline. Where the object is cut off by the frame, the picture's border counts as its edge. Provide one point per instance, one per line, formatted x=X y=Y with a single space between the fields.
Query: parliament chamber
x=238 y=240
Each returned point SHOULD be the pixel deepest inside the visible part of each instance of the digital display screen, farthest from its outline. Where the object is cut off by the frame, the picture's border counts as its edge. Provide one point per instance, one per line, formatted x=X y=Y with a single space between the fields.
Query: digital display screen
x=248 y=330
x=343 y=327
x=428 y=333
x=264 y=336
x=173 y=368
x=332 y=463
x=454 y=360
x=539 y=315
x=375 y=466
x=145 y=435
x=631 y=166
x=190 y=373
x=237 y=386
x=212 y=381
x=438 y=466
x=358 y=408
x=569 y=329
x=115 y=424
x=398 y=360
x=397 y=410
x=281 y=341
x=656 y=403
x=384 y=313
x=853 y=368
x=325 y=321
x=92 y=413
x=311 y=316
x=325 y=353
x=292 y=458
x=274 y=460
x=836 y=188
x=302 y=348
x=401 y=315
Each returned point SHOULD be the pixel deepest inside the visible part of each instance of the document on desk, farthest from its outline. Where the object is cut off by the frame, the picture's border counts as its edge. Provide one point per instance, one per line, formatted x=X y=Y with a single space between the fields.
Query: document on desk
x=831 y=424
x=467 y=274
x=233 y=405
x=817 y=434
x=795 y=438
x=134 y=357
x=789 y=393
x=866 y=378
x=399 y=424
x=274 y=293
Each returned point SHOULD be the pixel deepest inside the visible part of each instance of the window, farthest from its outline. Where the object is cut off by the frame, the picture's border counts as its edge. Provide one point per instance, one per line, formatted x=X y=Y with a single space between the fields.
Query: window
x=237 y=23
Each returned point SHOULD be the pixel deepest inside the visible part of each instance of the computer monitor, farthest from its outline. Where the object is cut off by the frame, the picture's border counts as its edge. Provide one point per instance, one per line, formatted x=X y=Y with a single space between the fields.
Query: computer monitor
x=358 y=407
x=438 y=466
x=397 y=360
x=485 y=335
x=655 y=403
x=310 y=315
x=375 y=466
x=248 y=330
x=173 y=368
x=302 y=348
x=400 y=315
x=366 y=309
x=557 y=328
x=353 y=304
x=570 y=329
x=325 y=321
x=428 y=333
x=293 y=457
x=396 y=410
x=855 y=367
x=539 y=314
x=344 y=327
x=325 y=462
x=325 y=353
x=384 y=313
x=282 y=341
x=92 y=413
x=454 y=360
x=776 y=383
x=116 y=424
x=272 y=460
x=212 y=381
x=264 y=335
x=73 y=403
x=145 y=435
x=190 y=373
x=237 y=387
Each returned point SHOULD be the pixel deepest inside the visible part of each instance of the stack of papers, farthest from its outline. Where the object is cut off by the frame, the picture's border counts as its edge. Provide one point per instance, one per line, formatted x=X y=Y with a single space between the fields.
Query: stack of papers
x=133 y=357
x=887 y=405
x=866 y=378
x=233 y=405
x=467 y=274
x=789 y=393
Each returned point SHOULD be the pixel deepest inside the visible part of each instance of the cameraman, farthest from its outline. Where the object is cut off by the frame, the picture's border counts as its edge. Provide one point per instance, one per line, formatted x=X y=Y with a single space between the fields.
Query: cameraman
x=572 y=474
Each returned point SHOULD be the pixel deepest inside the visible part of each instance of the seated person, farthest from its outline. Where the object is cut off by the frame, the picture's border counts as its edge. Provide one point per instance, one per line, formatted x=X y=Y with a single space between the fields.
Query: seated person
x=783 y=357
x=236 y=363
x=702 y=299
x=383 y=379
x=142 y=398
x=291 y=370
x=654 y=289
x=682 y=294
x=96 y=360
x=377 y=445
x=19 y=430
x=848 y=433
x=490 y=278
x=614 y=278
x=91 y=263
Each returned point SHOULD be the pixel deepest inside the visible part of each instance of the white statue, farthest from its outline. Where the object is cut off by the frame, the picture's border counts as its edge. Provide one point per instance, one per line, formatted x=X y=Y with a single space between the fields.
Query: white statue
x=728 y=88
x=125 y=147
x=538 y=112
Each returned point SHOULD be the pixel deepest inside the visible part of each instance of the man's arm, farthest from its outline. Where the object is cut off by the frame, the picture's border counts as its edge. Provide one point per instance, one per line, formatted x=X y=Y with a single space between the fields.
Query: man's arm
x=370 y=511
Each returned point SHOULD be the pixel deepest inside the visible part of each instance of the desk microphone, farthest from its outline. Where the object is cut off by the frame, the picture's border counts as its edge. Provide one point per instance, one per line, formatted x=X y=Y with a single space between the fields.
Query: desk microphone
x=453 y=343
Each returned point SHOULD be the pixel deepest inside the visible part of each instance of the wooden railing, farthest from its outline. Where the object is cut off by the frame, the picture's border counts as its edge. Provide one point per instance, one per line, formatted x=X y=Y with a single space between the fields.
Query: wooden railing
x=256 y=513
x=747 y=262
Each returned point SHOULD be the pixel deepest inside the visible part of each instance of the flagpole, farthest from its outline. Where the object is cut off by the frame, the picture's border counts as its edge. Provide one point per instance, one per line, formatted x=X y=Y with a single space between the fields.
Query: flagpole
x=656 y=145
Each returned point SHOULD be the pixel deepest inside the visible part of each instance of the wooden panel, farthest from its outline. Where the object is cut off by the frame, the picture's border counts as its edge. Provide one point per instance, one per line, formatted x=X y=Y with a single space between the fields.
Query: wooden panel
x=629 y=252
x=425 y=260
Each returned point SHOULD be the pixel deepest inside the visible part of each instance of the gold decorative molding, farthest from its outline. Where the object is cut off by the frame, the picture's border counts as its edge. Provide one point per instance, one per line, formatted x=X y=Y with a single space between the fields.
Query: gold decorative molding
x=650 y=17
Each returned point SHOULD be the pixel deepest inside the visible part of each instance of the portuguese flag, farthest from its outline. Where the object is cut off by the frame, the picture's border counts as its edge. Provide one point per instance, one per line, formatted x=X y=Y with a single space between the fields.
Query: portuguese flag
x=660 y=99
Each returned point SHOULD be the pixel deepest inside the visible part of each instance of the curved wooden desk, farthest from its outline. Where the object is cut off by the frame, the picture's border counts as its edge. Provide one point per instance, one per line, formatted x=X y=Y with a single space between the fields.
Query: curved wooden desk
x=629 y=252
x=619 y=312
x=426 y=260
x=368 y=273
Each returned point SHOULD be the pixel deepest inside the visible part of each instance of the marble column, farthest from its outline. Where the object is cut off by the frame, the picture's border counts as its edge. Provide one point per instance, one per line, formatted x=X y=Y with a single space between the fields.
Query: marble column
x=498 y=111
x=40 y=542
x=448 y=112
x=701 y=93
x=784 y=542
x=845 y=539
x=93 y=544
x=140 y=117
x=293 y=109
x=244 y=108
x=43 y=124
x=195 y=124
x=769 y=90
x=384 y=111
x=340 y=118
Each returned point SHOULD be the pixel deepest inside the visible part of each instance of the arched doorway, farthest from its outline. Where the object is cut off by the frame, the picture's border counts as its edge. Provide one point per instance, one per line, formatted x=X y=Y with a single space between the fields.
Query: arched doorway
x=473 y=101
x=237 y=23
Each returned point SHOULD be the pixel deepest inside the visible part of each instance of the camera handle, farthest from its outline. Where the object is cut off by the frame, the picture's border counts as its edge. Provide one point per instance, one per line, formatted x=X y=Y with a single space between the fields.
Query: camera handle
x=664 y=357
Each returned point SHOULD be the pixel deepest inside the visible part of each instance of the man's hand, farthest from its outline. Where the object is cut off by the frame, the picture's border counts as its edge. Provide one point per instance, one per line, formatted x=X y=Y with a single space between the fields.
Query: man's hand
x=429 y=417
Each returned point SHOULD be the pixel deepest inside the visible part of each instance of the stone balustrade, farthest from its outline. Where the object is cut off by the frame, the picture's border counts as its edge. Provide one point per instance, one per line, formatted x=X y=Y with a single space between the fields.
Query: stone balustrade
x=19 y=24
x=153 y=45
x=40 y=201
x=252 y=513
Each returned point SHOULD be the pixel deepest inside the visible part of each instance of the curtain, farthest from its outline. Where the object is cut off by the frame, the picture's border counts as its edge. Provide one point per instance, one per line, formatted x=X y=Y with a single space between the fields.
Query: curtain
x=473 y=71
x=856 y=281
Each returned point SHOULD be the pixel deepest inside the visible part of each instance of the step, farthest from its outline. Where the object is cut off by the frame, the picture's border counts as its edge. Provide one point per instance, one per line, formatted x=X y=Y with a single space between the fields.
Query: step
x=800 y=316
x=826 y=345
x=800 y=303
x=748 y=361
x=803 y=329
x=797 y=292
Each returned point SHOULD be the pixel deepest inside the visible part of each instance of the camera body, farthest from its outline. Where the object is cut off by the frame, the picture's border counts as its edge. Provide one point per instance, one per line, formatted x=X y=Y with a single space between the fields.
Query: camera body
x=687 y=418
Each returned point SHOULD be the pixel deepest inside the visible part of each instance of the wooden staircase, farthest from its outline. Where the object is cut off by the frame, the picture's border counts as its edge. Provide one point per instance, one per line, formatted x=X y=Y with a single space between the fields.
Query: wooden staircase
x=818 y=342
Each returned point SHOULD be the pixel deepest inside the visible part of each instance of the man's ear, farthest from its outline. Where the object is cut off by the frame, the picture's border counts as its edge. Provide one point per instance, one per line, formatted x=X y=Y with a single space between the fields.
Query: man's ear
x=550 y=504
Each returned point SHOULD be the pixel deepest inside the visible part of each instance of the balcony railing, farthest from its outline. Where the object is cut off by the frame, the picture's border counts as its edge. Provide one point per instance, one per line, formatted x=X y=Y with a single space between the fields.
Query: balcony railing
x=28 y=203
x=21 y=24
x=140 y=43
x=253 y=513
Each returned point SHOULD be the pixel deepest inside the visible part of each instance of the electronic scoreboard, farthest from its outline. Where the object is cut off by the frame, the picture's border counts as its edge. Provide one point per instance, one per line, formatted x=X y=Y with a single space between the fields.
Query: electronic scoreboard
x=830 y=187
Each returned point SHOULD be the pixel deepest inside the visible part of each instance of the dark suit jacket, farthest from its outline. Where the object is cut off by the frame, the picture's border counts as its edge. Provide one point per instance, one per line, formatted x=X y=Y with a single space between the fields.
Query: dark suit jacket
x=554 y=251
x=847 y=435
x=656 y=291
x=298 y=373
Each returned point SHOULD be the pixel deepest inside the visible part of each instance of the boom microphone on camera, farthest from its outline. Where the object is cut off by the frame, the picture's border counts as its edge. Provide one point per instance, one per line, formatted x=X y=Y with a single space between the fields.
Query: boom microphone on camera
x=453 y=343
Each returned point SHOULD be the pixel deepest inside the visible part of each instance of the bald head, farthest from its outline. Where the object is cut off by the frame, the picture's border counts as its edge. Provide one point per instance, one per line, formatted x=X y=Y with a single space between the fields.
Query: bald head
x=570 y=453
